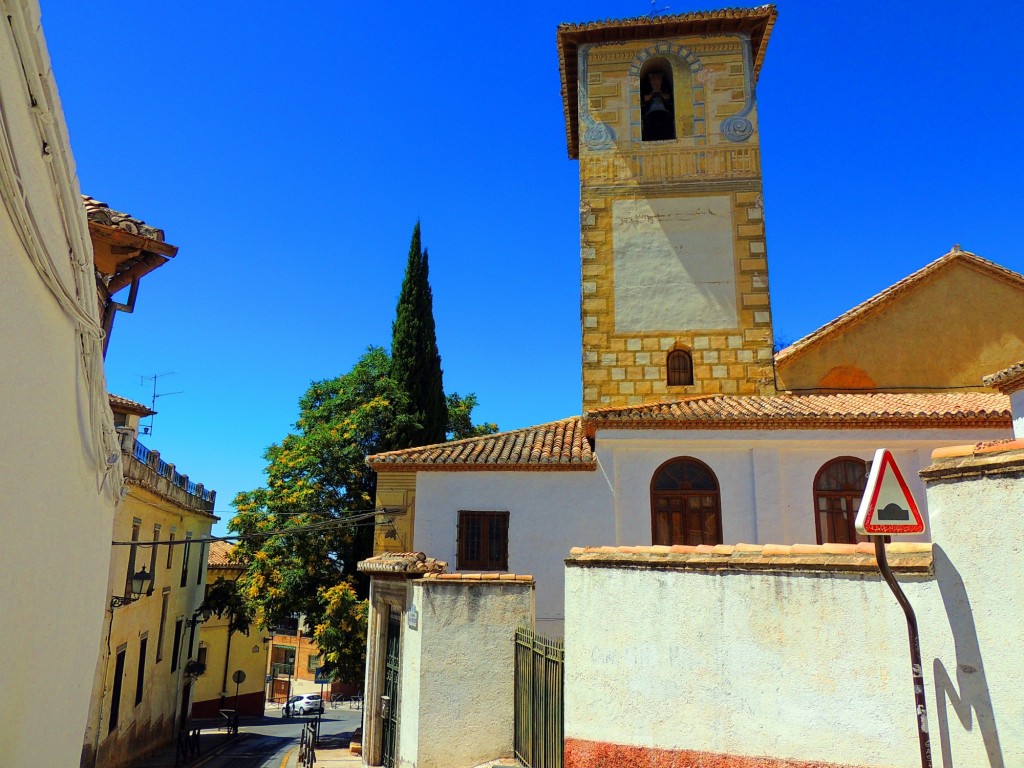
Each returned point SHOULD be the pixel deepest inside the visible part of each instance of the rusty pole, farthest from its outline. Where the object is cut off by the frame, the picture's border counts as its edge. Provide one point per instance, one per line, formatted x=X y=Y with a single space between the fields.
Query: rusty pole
x=915 y=652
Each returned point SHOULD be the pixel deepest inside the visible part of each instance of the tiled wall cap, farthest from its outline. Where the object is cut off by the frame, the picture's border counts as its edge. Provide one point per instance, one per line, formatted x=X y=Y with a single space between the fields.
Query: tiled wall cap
x=475 y=578
x=974 y=449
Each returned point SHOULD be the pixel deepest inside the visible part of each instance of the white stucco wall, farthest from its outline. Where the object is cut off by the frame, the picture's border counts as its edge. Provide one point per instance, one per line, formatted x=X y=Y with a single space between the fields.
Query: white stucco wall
x=766 y=480
x=674 y=263
x=812 y=667
x=1017 y=406
x=549 y=513
x=55 y=512
x=457 y=672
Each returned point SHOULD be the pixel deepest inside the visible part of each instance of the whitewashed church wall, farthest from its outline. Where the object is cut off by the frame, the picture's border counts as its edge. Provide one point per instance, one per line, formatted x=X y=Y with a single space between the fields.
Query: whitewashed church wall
x=1017 y=406
x=549 y=513
x=766 y=478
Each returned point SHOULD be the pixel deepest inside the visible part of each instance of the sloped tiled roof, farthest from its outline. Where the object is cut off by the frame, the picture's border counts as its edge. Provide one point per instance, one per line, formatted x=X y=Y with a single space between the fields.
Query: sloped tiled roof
x=219 y=555
x=756 y=22
x=558 y=445
x=880 y=301
x=124 y=405
x=101 y=213
x=1008 y=380
x=874 y=410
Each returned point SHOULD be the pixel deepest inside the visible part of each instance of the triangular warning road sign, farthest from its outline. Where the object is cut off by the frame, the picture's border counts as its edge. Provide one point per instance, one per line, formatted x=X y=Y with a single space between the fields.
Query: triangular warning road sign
x=887 y=506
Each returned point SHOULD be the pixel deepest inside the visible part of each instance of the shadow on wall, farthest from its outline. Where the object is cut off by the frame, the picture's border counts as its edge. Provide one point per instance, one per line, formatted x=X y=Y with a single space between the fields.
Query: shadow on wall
x=971 y=688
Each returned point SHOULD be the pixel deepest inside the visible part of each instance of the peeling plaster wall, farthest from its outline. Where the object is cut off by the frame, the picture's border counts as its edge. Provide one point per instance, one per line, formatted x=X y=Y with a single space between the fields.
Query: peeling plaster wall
x=785 y=668
x=457 y=672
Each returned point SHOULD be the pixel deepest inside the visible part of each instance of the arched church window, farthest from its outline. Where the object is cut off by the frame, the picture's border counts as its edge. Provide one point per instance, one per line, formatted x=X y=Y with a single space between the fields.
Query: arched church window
x=657 y=102
x=680 y=368
x=685 y=504
x=838 y=488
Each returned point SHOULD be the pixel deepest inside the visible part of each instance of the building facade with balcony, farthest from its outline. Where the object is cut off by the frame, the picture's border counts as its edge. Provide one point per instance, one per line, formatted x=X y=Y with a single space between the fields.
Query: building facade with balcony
x=147 y=669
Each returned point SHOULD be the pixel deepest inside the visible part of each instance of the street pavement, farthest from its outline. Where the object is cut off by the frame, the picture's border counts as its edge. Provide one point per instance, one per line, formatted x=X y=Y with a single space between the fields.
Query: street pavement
x=267 y=742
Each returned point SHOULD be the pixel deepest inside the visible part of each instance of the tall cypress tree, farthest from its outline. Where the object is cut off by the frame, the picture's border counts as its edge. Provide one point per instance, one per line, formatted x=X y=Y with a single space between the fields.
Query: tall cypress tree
x=415 y=361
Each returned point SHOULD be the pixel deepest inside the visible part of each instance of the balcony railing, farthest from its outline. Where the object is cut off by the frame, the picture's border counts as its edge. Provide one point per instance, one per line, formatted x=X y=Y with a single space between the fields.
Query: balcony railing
x=157 y=472
x=282 y=669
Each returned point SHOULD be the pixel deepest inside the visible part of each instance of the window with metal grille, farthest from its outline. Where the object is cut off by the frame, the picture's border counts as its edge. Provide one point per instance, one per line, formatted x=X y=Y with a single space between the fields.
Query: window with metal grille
x=685 y=504
x=483 y=541
x=838 y=488
x=312 y=662
x=680 y=368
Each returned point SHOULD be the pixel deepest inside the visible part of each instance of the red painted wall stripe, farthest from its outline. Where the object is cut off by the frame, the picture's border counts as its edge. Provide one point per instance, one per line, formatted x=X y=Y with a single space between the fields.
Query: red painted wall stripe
x=580 y=753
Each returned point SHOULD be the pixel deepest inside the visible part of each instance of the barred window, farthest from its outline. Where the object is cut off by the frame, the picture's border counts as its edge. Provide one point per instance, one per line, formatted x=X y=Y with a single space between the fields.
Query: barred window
x=483 y=541
x=680 y=368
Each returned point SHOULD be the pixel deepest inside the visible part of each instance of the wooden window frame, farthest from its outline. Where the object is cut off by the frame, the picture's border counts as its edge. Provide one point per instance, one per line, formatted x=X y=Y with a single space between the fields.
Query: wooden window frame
x=493 y=529
x=683 y=374
x=683 y=495
x=851 y=496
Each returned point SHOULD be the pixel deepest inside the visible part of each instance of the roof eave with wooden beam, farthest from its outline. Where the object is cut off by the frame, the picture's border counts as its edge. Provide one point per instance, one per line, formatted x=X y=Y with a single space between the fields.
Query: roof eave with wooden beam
x=125 y=256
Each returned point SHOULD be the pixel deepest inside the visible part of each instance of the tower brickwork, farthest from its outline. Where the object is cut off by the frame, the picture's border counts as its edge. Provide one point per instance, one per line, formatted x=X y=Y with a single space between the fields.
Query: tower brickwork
x=661 y=114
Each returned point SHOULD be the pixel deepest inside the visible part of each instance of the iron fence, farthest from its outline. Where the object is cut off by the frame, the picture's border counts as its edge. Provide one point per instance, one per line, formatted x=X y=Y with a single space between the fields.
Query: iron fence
x=539 y=698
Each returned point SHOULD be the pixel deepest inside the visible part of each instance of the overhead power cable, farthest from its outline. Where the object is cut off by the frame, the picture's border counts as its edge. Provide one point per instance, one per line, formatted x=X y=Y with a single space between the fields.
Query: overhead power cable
x=350 y=522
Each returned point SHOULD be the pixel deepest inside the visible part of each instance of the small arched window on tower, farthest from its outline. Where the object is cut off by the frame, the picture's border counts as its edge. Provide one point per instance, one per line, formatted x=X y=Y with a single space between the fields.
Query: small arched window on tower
x=657 y=105
x=680 y=368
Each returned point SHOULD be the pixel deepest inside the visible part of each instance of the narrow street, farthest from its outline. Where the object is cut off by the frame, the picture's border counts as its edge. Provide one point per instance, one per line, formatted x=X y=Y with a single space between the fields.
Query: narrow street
x=266 y=743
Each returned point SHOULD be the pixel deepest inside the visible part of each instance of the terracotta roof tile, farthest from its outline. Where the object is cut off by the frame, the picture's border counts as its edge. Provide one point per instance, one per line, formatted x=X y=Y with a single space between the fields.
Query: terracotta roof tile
x=124 y=405
x=872 y=410
x=101 y=213
x=469 y=578
x=878 y=302
x=1008 y=380
x=756 y=22
x=558 y=445
x=908 y=557
x=402 y=562
x=219 y=555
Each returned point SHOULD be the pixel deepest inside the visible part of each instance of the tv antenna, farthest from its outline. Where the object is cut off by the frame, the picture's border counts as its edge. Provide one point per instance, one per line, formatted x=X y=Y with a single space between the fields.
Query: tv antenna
x=655 y=10
x=148 y=429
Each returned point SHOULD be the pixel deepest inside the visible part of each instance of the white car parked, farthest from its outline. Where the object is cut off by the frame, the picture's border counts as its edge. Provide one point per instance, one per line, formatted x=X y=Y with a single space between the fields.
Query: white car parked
x=303 y=704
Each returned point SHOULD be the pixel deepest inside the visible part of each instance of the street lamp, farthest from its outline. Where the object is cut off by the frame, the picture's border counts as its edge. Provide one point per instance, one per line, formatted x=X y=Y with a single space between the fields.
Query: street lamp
x=140 y=585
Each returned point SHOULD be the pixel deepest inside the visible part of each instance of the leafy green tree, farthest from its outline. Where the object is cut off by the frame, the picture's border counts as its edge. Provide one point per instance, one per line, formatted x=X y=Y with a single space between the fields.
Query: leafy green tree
x=317 y=478
x=415 y=361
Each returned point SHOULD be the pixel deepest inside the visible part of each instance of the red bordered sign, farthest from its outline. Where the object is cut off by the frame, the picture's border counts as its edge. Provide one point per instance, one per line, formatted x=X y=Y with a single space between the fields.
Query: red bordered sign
x=888 y=506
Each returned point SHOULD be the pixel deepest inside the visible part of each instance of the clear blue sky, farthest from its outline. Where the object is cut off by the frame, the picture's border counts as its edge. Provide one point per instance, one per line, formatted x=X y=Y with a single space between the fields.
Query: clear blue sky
x=288 y=151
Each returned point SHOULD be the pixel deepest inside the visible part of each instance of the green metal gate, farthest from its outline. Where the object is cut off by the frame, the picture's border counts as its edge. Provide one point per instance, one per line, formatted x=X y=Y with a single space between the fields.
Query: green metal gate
x=539 y=736
x=389 y=711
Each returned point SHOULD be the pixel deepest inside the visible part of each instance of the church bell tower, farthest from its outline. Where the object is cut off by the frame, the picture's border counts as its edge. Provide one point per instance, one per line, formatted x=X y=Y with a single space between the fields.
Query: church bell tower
x=661 y=114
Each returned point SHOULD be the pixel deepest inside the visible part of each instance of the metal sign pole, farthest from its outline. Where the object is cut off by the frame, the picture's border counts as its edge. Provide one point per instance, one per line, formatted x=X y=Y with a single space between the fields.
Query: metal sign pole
x=915 y=652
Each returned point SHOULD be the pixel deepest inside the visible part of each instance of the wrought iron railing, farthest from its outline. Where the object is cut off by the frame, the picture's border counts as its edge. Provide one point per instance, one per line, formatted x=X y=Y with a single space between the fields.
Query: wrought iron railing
x=539 y=700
